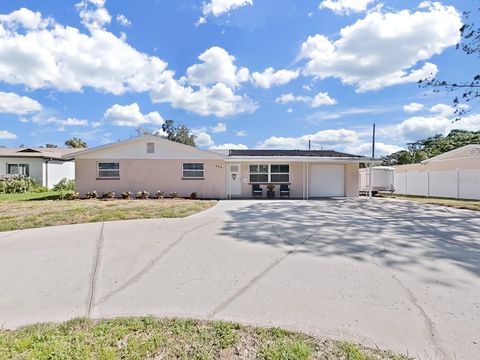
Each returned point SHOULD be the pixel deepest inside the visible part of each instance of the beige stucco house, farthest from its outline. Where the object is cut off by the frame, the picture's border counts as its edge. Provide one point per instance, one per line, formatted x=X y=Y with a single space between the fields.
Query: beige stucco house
x=150 y=163
x=454 y=174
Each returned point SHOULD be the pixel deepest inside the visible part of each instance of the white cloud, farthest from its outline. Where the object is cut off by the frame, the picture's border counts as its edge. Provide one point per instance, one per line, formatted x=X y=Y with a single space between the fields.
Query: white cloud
x=12 y=103
x=331 y=138
x=218 y=100
x=73 y=122
x=241 y=133
x=413 y=107
x=42 y=54
x=345 y=7
x=229 y=147
x=220 y=7
x=93 y=14
x=217 y=67
x=123 y=20
x=269 y=77
x=202 y=138
x=289 y=110
x=365 y=149
x=219 y=128
x=384 y=48
x=443 y=110
x=7 y=135
x=50 y=55
x=318 y=100
x=130 y=115
x=331 y=115
x=420 y=127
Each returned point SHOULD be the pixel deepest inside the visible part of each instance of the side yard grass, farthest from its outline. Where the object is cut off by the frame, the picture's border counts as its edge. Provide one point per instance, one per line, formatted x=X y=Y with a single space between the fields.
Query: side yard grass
x=24 y=211
x=151 y=338
x=459 y=204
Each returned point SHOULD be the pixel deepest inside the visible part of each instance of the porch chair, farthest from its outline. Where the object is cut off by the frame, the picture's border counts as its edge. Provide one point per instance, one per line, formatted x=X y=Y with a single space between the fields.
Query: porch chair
x=284 y=190
x=257 y=190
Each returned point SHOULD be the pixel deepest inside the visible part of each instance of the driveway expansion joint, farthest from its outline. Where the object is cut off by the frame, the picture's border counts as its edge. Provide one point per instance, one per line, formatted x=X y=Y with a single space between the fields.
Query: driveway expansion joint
x=93 y=277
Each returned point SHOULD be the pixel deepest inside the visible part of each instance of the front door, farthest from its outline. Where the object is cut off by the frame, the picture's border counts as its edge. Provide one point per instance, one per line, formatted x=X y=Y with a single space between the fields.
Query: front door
x=235 y=180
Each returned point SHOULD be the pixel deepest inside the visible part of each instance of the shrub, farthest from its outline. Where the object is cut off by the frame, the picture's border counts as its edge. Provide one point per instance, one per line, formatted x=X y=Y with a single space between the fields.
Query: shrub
x=193 y=195
x=160 y=195
x=69 y=195
x=108 y=195
x=143 y=194
x=16 y=185
x=91 y=195
x=65 y=185
x=174 y=195
x=40 y=189
x=127 y=195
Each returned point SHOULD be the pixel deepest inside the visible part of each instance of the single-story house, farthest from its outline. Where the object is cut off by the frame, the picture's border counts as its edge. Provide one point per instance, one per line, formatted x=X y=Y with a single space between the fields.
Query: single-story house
x=454 y=174
x=150 y=163
x=47 y=166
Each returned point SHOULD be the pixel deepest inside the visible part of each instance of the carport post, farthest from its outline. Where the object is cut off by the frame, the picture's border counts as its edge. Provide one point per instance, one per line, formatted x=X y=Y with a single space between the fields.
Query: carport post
x=370 y=180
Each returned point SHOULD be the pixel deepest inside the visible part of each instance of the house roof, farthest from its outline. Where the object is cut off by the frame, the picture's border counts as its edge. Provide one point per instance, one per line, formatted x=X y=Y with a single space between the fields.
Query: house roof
x=312 y=153
x=42 y=153
x=473 y=151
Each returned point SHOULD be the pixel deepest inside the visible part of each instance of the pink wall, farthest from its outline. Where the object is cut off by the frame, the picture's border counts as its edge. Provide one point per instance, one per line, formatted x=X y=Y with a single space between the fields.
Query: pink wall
x=152 y=175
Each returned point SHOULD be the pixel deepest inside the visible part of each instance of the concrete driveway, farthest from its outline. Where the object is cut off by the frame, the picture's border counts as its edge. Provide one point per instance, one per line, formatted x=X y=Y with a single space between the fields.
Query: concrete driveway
x=400 y=275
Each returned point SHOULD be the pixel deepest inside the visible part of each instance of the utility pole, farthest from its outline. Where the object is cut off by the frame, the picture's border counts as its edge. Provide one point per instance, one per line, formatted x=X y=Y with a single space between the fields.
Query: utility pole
x=370 y=170
x=309 y=144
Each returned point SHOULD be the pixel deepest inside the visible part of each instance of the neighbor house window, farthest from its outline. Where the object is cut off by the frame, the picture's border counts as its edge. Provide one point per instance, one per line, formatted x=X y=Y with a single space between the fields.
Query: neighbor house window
x=193 y=170
x=279 y=173
x=150 y=148
x=18 y=169
x=258 y=173
x=108 y=170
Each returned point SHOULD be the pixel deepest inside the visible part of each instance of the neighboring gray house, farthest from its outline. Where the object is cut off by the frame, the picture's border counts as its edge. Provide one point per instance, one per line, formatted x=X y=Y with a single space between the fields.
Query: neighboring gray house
x=46 y=165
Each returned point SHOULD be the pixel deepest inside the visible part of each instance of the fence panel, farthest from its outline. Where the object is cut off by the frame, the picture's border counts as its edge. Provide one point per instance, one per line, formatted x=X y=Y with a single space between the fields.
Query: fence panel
x=444 y=183
x=469 y=187
x=417 y=183
x=399 y=181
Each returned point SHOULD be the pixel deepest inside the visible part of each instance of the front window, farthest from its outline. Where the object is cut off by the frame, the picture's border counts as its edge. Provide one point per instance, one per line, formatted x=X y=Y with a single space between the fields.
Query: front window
x=108 y=170
x=258 y=173
x=274 y=173
x=18 y=169
x=279 y=173
x=193 y=170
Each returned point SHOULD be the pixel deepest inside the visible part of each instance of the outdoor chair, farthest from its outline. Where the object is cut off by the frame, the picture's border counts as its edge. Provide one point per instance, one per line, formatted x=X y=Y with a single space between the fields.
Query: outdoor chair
x=257 y=190
x=284 y=190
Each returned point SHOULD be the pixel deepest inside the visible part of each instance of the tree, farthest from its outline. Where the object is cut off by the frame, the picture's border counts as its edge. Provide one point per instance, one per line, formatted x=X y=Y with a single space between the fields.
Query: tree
x=426 y=148
x=75 y=143
x=51 y=146
x=464 y=91
x=180 y=134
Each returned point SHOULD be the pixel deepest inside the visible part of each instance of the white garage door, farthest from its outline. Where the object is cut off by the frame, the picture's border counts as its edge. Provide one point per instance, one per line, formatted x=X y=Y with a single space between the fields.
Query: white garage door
x=326 y=180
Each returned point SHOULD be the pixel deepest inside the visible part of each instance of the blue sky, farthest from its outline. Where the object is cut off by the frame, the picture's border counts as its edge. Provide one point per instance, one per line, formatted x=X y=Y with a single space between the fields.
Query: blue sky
x=240 y=73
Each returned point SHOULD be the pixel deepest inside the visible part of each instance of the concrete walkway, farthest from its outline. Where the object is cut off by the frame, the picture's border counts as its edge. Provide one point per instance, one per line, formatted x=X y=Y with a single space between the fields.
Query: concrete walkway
x=396 y=274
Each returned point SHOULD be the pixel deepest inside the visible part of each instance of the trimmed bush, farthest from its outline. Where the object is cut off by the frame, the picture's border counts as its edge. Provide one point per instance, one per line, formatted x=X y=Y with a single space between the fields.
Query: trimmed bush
x=193 y=195
x=127 y=195
x=143 y=195
x=108 y=195
x=160 y=195
x=91 y=195
x=174 y=195
x=69 y=195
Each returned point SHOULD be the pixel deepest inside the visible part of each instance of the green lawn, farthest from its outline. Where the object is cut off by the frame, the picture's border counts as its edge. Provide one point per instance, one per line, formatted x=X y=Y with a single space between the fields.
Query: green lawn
x=151 y=338
x=459 y=204
x=24 y=211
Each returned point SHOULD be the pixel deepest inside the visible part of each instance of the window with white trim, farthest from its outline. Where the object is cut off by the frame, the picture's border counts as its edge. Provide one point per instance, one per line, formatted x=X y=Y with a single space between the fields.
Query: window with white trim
x=18 y=169
x=279 y=173
x=273 y=173
x=259 y=173
x=150 y=148
x=108 y=170
x=193 y=171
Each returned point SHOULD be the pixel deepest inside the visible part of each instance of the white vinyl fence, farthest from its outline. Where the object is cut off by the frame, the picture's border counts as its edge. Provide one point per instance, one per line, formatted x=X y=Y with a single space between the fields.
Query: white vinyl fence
x=457 y=184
